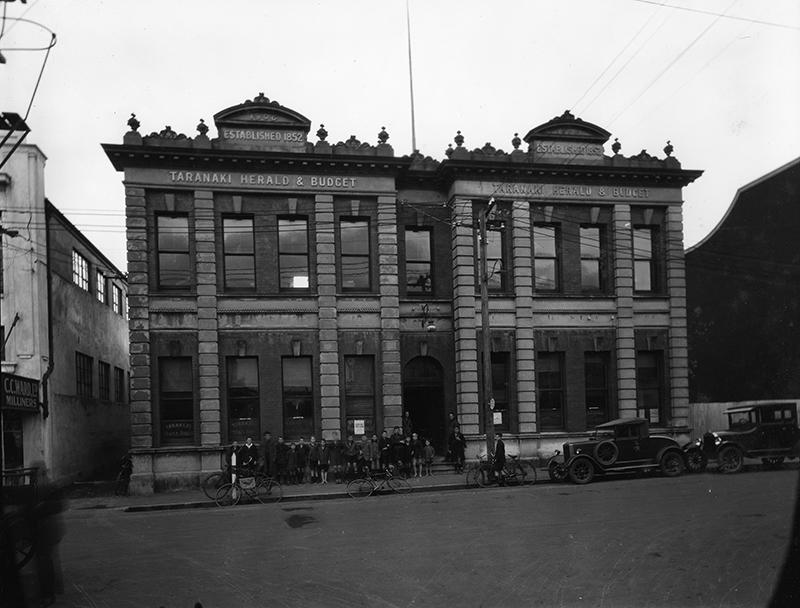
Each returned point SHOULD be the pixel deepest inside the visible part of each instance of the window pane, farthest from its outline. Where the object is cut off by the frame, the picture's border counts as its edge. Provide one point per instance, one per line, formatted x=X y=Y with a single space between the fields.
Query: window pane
x=243 y=398
x=545 y=274
x=173 y=233
x=237 y=235
x=550 y=391
x=355 y=272
x=418 y=277
x=642 y=243
x=354 y=237
x=176 y=400
x=590 y=274
x=418 y=245
x=544 y=241
x=359 y=392
x=293 y=236
x=642 y=275
x=240 y=272
x=294 y=271
x=298 y=401
x=173 y=269
x=590 y=242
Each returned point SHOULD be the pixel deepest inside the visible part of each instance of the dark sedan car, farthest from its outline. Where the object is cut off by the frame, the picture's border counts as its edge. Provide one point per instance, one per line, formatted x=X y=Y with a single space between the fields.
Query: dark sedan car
x=619 y=446
x=767 y=431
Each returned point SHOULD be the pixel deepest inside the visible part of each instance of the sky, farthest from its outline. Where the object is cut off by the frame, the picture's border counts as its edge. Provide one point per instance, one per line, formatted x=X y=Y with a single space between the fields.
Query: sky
x=720 y=79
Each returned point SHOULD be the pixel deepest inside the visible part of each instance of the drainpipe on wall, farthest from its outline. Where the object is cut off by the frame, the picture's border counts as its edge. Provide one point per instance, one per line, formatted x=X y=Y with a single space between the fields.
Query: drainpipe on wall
x=50 y=363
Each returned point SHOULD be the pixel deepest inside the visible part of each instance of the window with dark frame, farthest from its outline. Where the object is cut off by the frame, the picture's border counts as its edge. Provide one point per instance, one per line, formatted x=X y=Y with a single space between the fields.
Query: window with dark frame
x=176 y=400
x=596 y=385
x=355 y=257
x=172 y=238
x=546 y=266
x=119 y=385
x=100 y=278
x=104 y=380
x=298 y=397
x=644 y=259
x=650 y=385
x=243 y=398
x=550 y=390
x=116 y=299
x=591 y=245
x=84 y=368
x=496 y=260
x=419 y=275
x=239 y=253
x=500 y=373
x=80 y=270
x=359 y=393
x=293 y=255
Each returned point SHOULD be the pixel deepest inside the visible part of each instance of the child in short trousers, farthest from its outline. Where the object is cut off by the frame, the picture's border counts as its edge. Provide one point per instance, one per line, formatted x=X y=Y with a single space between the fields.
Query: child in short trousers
x=428 y=452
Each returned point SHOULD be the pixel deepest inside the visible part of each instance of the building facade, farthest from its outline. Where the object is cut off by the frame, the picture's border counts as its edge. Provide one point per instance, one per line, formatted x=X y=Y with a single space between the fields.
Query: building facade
x=743 y=291
x=310 y=288
x=64 y=331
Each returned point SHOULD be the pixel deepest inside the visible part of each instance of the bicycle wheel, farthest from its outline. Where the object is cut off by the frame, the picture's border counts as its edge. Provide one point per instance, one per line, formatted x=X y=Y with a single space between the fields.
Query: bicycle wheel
x=471 y=477
x=484 y=476
x=360 y=488
x=268 y=490
x=512 y=473
x=228 y=494
x=399 y=485
x=211 y=483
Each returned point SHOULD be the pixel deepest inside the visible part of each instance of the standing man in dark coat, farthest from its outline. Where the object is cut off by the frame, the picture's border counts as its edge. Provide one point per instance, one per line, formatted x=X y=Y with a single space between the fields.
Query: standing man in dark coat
x=270 y=450
x=499 y=458
x=248 y=455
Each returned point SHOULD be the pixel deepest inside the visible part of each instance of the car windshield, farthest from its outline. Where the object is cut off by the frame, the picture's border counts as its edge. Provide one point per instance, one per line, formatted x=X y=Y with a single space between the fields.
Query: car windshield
x=741 y=420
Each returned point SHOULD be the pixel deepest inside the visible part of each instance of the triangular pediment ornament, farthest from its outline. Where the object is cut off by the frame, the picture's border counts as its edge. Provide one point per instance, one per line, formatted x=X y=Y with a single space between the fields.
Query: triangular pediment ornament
x=568 y=127
x=261 y=112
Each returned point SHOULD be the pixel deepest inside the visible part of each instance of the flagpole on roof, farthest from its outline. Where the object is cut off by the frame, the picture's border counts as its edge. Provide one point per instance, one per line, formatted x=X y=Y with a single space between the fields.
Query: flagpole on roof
x=411 y=81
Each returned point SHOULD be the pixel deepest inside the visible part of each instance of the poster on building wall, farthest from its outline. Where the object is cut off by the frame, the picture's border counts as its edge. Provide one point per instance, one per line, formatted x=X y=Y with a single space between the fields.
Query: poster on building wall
x=358 y=427
x=498 y=417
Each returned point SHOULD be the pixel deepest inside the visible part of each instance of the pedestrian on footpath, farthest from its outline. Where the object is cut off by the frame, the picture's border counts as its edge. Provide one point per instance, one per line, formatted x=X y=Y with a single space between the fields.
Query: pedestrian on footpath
x=269 y=454
x=302 y=461
x=281 y=460
x=499 y=459
x=291 y=463
x=452 y=423
x=459 y=447
x=350 y=457
x=375 y=454
x=335 y=460
x=407 y=458
x=417 y=454
x=324 y=461
x=313 y=460
x=248 y=455
x=364 y=456
x=384 y=447
x=429 y=453
x=408 y=425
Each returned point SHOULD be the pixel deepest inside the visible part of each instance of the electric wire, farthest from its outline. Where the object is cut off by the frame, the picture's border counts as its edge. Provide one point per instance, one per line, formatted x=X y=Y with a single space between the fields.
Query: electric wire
x=724 y=15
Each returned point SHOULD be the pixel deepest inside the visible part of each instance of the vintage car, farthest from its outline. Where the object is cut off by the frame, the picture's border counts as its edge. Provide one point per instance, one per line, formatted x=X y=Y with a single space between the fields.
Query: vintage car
x=767 y=431
x=619 y=446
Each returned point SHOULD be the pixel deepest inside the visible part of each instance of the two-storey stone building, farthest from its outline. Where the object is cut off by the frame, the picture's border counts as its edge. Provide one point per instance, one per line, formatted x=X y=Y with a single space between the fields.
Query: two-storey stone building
x=310 y=288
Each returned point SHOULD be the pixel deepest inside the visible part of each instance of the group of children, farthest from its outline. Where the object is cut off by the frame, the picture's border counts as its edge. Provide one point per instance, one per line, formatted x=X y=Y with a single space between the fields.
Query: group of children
x=313 y=461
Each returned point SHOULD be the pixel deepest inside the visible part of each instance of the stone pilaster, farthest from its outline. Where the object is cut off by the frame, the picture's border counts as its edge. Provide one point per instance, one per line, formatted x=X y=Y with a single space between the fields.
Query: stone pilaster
x=140 y=391
x=464 y=328
x=330 y=409
x=623 y=287
x=207 y=325
x=678 y=334
x=391 y=373
x=523 y=302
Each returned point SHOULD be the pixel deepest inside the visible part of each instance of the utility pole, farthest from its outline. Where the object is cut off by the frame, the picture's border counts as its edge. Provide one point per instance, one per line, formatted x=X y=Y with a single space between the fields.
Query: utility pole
x=488 y=399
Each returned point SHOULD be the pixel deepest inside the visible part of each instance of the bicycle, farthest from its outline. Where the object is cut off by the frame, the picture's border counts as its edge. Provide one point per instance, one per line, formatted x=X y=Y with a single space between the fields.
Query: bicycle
x=257 y=487
x=123 y=479
x=515 y=472
x=212 y=482
x=367 y=486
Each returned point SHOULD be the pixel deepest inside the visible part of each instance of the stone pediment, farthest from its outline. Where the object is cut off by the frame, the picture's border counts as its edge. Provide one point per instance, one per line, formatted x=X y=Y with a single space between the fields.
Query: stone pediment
x=567 y=127
x=261 y=124
x=567 y=139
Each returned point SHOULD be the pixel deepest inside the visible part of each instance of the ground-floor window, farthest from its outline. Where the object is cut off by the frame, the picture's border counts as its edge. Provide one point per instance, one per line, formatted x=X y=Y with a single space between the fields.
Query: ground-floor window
x=243 y=398
x=176 y=400
x=650 y=385
x=596 y=365
x=298 y=398
x=550 y=390
x=359 y=395
x=500 y=373
x=12 y=440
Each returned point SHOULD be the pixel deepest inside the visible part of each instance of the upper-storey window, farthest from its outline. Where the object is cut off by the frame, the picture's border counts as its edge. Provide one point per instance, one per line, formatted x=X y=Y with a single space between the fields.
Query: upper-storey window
x=591 y=258
x=239 y=253
x=644 y=258
x=100 y=279
x=116 y=300
x=545 y=254
x=354 y=259
x=174 y=268
x=80 y=270
x=496 y=261
x=293 y=252
x=419 y=278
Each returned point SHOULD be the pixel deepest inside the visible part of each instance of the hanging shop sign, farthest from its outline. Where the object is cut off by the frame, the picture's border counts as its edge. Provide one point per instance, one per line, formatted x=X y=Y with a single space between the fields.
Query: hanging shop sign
x=20 y=394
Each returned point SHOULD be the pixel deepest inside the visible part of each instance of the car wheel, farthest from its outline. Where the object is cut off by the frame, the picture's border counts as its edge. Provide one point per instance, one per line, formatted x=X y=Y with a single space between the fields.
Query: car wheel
x=581 y=471
x=557 y=471
x=606 y=452
x=730 y=459
x=696 y=461
x=773 y=463
x=671 y=464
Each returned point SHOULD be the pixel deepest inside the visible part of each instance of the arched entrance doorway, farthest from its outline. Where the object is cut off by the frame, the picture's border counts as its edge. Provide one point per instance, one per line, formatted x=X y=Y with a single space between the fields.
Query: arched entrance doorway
x=423 y=396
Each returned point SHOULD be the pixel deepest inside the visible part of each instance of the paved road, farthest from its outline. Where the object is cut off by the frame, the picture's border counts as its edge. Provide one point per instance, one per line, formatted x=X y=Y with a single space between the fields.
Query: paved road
x=704 y=540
